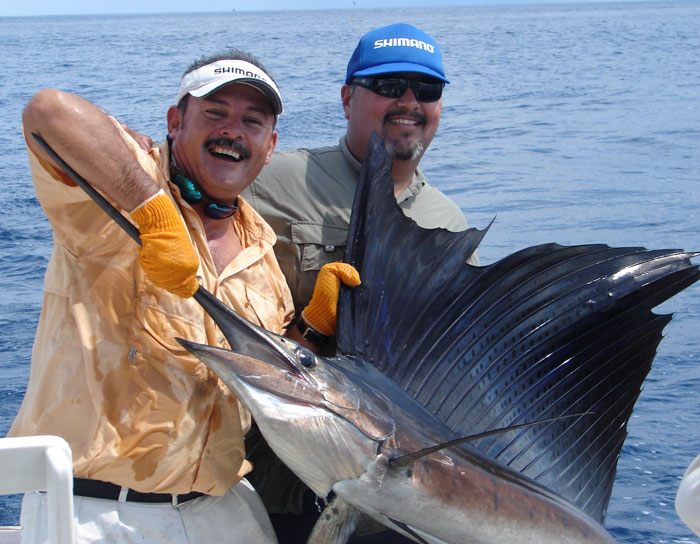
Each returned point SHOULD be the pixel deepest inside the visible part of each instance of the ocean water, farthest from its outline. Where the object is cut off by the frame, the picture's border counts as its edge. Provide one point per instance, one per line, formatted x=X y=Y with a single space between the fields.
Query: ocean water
x=571 y=123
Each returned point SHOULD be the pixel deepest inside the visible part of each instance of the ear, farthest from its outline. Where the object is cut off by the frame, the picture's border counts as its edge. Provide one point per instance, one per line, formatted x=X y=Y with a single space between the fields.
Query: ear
x=273 y=143
x=345 y=94
x=174 y=121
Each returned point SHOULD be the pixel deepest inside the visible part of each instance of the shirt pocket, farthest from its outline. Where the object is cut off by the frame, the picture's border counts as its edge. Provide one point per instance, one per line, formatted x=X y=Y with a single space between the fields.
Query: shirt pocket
x=263 y=307
x=319 y=243
x=156 y=332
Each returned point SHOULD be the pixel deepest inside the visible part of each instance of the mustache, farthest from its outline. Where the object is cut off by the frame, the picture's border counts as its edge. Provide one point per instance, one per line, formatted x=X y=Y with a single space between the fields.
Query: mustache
x=405 y=113
x=226 y=142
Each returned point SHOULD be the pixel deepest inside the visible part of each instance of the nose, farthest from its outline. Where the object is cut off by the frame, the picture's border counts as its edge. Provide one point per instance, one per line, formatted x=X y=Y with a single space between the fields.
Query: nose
x=232 y=128
x=408 y=99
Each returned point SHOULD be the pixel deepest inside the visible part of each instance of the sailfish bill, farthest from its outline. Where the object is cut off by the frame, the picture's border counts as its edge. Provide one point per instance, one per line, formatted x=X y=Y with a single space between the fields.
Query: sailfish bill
x=431 y=350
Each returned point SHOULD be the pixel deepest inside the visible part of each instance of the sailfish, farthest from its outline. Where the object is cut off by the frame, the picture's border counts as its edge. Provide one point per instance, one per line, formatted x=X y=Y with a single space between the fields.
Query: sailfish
x=465 y=404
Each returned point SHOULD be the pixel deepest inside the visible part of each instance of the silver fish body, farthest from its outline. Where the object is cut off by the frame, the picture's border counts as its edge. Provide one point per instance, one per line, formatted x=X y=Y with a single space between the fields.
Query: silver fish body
x=330 y=426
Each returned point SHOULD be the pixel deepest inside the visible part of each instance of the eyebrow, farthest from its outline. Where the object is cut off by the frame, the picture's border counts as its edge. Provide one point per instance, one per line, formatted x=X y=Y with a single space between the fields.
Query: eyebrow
x=258 y=109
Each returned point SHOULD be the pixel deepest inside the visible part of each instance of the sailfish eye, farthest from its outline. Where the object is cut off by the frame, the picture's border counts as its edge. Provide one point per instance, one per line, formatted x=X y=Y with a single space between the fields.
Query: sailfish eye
x=305 y=357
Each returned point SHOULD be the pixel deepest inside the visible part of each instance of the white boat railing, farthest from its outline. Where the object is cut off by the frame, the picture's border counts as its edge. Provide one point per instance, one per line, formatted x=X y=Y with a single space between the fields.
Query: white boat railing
x=41 y=463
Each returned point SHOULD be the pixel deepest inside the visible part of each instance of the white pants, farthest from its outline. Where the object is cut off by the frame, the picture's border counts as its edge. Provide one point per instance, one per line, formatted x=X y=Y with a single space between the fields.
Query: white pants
x=237 y=516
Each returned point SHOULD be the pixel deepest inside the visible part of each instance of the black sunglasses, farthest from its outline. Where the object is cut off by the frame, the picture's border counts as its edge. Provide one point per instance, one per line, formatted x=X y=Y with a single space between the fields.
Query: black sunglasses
x=425 y=90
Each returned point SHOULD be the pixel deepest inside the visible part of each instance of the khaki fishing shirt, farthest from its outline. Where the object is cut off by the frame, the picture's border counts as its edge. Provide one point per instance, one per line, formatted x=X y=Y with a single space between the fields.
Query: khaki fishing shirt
x=306 y=196
x=107 y=372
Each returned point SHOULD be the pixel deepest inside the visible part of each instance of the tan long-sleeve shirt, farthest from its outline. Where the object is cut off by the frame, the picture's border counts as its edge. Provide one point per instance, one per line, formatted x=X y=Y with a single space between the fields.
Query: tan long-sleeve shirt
x=107 y=373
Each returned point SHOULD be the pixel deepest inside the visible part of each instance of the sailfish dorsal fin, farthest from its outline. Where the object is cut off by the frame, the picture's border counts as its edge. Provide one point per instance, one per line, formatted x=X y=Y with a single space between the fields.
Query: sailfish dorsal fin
x=548 y=331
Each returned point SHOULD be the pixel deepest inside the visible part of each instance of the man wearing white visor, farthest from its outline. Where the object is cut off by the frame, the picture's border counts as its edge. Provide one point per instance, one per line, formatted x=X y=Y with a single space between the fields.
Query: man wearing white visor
x=157 y=439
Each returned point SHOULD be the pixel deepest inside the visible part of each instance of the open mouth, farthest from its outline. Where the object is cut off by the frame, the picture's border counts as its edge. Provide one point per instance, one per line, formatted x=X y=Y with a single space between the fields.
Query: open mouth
x=410 y=122
x=408 y=119
x=227 y=153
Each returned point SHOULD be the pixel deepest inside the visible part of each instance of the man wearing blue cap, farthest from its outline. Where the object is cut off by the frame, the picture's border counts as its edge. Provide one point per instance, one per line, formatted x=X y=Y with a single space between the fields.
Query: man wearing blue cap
x=393 y=86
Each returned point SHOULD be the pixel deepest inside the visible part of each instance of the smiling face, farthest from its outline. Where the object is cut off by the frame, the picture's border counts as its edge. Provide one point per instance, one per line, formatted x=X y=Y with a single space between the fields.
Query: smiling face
x=224 y=139
x=407 y=126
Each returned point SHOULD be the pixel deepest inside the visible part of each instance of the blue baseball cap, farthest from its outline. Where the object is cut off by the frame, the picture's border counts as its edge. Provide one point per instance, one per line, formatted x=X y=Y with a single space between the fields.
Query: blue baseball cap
x=396 y=48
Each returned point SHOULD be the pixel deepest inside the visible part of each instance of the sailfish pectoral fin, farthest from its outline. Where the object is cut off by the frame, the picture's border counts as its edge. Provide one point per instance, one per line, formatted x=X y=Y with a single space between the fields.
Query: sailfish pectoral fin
x=336 y=524
x=339 y=521
x=407 y=459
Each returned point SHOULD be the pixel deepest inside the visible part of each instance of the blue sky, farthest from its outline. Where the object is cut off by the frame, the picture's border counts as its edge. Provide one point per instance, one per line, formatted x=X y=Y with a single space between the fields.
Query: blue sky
x=52 y=7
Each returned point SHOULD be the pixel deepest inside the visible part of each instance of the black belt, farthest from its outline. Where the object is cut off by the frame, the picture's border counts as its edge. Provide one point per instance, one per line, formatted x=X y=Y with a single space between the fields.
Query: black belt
x=97 y=489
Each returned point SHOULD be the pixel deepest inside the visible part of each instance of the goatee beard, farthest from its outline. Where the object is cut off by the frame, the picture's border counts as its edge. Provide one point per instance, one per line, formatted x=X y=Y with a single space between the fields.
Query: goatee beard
x=402 y=151
x=403 y=148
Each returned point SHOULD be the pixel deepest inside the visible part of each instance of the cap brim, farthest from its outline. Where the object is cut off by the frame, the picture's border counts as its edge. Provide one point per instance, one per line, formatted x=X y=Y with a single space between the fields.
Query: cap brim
x=271 y=95
x=399 y=67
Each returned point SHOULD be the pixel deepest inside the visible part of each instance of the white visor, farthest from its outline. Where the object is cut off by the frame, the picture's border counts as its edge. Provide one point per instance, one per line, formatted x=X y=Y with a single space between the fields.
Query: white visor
x=208 y=78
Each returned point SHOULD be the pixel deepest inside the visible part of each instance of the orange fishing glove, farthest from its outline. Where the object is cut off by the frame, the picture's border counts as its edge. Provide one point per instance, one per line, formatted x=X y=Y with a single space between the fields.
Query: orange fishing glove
x=321 y=312
x=167 y=255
